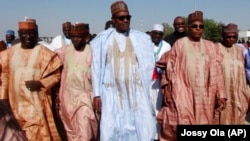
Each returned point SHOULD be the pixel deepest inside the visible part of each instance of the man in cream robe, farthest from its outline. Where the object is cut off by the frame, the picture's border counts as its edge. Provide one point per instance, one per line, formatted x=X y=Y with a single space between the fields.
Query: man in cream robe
x=234 y=77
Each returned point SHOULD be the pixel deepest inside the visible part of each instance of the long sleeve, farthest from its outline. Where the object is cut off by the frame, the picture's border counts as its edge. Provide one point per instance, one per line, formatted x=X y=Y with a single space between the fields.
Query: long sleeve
x=96 y=66
x=4 y=75
x=51 y=80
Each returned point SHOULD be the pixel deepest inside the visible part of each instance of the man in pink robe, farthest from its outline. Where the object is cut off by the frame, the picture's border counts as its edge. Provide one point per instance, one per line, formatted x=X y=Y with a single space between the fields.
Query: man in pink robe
x=234 y=77
x=75 y=94
x=192 y=80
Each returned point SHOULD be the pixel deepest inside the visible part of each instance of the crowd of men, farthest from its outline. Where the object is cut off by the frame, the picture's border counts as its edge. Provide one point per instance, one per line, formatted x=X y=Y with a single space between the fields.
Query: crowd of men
x=121 y=84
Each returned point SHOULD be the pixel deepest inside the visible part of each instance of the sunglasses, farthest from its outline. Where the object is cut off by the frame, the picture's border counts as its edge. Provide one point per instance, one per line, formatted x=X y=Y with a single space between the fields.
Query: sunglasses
x=122 y=18
x=228 y=37
x=201 y=26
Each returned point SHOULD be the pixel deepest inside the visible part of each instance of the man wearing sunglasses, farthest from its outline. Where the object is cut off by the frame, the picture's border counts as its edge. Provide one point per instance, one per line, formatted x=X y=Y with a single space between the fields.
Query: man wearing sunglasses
x=193 y=80
x=122 y=68
x=234 y=77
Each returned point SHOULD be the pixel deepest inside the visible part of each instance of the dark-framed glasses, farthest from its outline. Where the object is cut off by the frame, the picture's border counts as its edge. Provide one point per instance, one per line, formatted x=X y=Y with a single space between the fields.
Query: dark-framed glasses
x=201 y=26
x=229 y=37
x=122 y=18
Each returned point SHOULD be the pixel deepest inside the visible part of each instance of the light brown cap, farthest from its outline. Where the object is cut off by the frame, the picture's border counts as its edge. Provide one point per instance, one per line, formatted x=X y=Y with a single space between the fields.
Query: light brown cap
x=196 y=16
x=27 y=24
x=118 y=6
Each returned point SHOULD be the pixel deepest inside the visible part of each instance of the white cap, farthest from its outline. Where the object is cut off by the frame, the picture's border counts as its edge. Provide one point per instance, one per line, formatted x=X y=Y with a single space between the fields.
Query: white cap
x=158 y=27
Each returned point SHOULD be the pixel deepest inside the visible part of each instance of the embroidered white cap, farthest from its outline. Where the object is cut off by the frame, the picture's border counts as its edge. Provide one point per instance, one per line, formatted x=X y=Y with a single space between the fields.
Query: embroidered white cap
x=158 y=27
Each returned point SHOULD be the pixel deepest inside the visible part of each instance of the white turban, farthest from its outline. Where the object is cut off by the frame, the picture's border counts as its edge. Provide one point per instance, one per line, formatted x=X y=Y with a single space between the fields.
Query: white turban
x=158 y=27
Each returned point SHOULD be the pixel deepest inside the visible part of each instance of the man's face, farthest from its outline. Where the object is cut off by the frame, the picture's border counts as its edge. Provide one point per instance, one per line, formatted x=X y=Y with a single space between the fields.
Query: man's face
x=195 y=30
x=79 y=40
x=67 y=30
x=179 y=24
x=121 y=21
x=229 y=39
x=156 y=36
x=9 y=38
x=29 y=38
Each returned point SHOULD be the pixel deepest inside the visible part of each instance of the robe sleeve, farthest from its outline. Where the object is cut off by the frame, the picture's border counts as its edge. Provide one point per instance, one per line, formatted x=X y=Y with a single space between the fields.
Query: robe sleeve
x=217 y=68
x=51 y=80
x=4 y=75
x=96 y=66
x=51 y=72
x=162 y=64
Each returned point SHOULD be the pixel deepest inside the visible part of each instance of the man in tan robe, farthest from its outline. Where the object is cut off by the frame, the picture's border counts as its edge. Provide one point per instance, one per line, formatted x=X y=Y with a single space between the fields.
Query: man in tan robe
x=29 y=71
x=234 y=77
x=193 y=80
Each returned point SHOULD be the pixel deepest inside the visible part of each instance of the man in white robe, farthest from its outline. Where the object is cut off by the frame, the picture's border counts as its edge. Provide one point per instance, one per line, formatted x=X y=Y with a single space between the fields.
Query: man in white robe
x=122 y=67
x=160 y=47
x=62 y=40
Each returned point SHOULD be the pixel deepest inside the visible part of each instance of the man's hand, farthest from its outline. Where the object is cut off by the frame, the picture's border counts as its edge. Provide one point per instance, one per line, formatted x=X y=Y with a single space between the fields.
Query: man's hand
x=33 y=85
x=97 y=104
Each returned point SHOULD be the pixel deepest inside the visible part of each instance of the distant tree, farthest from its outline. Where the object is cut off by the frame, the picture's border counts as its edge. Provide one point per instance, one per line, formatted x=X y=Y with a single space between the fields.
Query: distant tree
x=212 y=30
x=167 y=29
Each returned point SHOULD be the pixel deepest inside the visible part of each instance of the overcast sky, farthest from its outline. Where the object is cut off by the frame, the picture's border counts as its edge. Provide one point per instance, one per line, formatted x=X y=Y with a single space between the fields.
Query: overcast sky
x=50 y=14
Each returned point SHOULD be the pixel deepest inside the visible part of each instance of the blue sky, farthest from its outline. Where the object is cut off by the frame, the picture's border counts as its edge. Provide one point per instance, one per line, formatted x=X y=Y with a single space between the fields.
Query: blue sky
x=50 y=14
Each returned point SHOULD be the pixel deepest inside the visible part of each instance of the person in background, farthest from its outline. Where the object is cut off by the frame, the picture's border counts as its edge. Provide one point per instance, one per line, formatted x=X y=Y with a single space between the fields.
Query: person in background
x=234 y=77
x=75 y=93
x=109 y=24
x=192 y=80
x=9 y=37
x=62 y=40
x=179 y=30
x=29 y=70
x=248 y=44
x=247 y=61
x=2 y=45
x=247 y=70
x=148 y=33
x=89 y=36
x=160 y=47
x=122 y=68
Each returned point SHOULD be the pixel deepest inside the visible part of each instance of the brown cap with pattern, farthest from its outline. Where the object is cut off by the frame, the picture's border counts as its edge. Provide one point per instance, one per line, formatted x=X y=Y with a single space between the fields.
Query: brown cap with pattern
x=230 y=28
x=78 y=28
x=196 y=16
x=118 y=6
